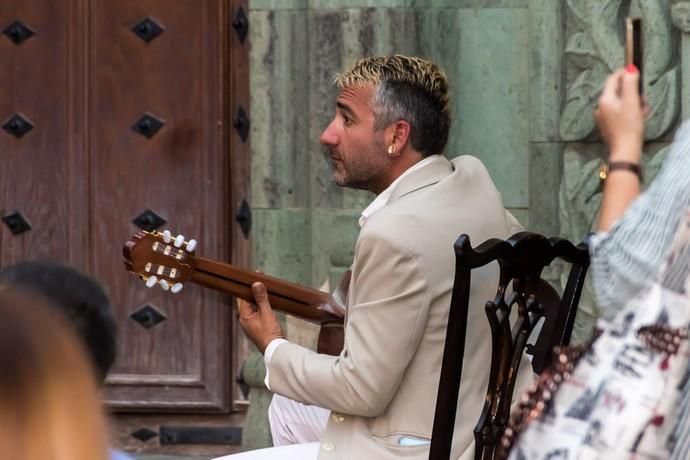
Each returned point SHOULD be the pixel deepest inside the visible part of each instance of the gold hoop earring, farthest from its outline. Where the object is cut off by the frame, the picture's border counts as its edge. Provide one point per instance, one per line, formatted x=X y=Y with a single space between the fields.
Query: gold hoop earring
x=392 y=149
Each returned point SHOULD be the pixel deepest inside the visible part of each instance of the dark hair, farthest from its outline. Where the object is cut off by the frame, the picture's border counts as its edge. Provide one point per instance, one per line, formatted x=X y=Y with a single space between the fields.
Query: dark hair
x=428 y=119
x=407 y=88
x=80 y=297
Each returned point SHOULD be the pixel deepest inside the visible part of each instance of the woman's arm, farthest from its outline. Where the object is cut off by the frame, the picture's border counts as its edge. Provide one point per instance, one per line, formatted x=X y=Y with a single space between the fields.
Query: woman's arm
x=620 y=117
x=628 y=257
x=634 y=237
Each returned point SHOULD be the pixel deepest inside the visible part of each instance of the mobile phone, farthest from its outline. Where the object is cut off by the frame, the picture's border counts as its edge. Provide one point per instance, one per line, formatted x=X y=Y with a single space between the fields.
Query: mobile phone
x=633 y=45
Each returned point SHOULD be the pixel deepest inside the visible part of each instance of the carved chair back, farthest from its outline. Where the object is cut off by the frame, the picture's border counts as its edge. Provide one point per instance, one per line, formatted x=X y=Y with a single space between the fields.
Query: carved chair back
x=521 y=260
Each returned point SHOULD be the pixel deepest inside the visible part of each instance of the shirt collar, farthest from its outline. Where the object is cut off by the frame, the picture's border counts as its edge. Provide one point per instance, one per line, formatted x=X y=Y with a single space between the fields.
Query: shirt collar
x=382 y=198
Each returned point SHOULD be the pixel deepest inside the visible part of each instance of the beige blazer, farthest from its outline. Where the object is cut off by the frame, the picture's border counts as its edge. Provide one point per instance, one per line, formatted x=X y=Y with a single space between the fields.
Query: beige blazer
x=384 y=383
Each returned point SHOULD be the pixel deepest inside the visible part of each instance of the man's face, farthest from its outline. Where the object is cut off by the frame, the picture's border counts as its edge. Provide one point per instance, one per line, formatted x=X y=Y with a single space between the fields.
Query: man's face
x=358 y=153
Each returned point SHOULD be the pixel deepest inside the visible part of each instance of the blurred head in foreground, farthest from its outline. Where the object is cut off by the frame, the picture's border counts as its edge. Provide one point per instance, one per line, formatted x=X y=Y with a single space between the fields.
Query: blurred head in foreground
x=80 y=297
x=49 y=401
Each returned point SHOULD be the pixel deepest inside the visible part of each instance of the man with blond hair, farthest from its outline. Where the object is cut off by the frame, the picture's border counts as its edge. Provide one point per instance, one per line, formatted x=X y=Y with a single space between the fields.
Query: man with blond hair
x=376 y=400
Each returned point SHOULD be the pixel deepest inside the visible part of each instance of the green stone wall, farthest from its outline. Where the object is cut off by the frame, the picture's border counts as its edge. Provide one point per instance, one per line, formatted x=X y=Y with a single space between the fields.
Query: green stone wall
x=306 y=225
x=525 y=75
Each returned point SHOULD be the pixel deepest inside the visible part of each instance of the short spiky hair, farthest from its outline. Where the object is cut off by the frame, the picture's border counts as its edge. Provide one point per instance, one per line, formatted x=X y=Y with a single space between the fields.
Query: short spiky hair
x=406 y=88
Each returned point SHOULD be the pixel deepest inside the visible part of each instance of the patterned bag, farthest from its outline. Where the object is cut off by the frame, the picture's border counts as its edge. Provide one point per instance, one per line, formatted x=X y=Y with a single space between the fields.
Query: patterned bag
x=618 y=396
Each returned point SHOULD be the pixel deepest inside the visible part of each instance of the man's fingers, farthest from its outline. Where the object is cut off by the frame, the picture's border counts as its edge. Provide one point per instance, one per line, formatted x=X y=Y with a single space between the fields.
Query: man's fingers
x=241 y=305
x=244 y=308
x=247 y=309
x=261 y=296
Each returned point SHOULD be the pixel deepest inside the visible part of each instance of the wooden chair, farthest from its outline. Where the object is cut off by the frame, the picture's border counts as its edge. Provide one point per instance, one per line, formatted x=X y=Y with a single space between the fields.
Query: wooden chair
x=521 y=259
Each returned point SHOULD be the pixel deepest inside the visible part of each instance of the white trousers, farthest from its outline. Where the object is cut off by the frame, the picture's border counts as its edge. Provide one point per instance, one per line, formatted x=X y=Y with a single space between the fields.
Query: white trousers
x=295 y=423
x=296 y=430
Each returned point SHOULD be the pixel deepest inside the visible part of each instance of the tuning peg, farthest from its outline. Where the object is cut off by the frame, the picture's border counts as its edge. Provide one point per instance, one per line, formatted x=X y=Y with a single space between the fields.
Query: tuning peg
x=167 y=236
x=164 y=284
x=151 y=281
x=177 y=287
x=178 y=241
x=191 y=245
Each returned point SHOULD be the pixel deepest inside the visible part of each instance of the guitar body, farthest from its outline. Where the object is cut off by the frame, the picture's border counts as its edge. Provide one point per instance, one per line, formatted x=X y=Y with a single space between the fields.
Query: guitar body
x=159 y=260
x=331 y=338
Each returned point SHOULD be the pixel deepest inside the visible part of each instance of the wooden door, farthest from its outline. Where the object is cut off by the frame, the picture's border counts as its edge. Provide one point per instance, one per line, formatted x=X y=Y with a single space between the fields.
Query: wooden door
x=42 y=214
x=128 y=103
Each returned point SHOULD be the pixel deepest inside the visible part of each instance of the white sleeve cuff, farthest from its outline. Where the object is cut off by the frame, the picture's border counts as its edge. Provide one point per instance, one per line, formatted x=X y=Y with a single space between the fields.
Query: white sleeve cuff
x=268 y=354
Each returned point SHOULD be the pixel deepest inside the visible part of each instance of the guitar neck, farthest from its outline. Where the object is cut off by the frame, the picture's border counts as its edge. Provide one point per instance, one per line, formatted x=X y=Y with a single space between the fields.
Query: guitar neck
x=293 y=299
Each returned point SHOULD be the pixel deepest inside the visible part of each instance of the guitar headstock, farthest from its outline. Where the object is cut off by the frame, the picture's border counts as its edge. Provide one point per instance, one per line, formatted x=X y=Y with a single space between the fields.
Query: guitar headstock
x=161 y=259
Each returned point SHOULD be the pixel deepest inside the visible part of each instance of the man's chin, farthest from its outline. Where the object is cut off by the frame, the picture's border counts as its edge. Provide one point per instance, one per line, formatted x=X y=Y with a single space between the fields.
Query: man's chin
x=343 y=182
x=339 y=181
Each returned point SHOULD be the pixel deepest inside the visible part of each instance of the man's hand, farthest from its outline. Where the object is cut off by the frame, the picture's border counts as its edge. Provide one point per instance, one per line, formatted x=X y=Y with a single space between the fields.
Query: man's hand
x=259 y=321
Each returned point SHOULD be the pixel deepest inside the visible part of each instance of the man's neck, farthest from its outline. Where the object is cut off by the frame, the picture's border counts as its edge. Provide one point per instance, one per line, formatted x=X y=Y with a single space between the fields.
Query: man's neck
x=401 y=164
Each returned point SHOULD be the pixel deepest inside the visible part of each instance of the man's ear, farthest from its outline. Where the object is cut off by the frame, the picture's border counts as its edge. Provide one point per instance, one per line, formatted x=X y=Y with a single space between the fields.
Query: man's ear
x=400 y=134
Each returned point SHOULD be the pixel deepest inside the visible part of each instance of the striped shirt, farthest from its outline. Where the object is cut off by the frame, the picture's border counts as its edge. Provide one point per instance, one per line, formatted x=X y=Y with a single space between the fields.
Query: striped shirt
x=629 y=257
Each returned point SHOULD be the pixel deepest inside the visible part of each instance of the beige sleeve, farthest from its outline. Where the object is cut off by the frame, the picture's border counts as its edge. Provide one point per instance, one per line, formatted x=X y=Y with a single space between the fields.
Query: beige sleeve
x=386 y=320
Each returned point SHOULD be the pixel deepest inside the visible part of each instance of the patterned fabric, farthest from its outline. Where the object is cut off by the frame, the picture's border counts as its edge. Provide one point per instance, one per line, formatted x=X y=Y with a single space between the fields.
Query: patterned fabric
x=625 y=260
x=621 y=399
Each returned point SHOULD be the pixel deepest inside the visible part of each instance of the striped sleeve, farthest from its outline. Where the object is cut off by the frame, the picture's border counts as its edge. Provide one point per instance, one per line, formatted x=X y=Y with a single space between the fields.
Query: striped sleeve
x=628 y=257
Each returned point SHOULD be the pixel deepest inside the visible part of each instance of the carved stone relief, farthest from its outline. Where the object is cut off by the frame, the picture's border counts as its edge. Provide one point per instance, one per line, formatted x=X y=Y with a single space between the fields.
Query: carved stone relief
x=594 y=49
x=680 y=15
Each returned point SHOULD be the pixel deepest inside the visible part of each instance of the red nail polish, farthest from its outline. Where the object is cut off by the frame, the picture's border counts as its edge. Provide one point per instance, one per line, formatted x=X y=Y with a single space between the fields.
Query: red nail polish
x=631 y=68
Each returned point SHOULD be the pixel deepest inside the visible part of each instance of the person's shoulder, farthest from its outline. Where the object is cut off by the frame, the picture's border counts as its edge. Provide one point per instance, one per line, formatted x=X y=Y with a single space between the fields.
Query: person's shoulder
x=472 y=178
x=471 y=171
x=468 y=163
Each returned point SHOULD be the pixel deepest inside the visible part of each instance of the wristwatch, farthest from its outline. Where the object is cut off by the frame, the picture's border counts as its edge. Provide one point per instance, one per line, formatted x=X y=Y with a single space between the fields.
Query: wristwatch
x=635 y=168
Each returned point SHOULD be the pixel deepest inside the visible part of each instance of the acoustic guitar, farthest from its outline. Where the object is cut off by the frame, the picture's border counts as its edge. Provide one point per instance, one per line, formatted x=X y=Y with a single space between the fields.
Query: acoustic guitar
x=162 y=260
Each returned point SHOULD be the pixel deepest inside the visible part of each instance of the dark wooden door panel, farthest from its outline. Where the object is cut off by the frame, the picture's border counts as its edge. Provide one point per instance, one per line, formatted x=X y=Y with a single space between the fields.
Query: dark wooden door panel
x=36 y=169
x=80 y=176
x=180 y=173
